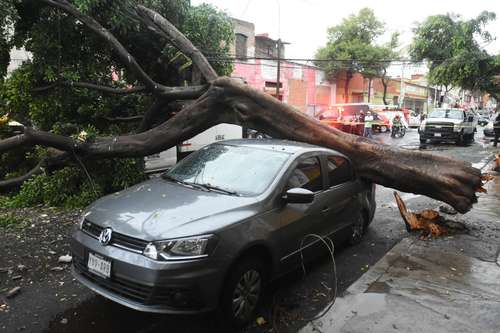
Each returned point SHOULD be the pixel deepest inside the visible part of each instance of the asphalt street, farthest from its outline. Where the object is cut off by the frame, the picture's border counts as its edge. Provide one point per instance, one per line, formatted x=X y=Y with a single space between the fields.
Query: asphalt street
x=293 y=300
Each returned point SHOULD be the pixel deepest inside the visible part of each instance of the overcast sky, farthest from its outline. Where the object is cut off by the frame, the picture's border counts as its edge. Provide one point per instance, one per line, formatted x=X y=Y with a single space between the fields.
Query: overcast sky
x=303 y=23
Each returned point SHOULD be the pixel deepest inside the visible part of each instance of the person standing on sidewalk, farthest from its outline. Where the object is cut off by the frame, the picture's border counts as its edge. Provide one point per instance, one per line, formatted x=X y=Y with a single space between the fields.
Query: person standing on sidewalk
x=368 y=125
x=496 y=129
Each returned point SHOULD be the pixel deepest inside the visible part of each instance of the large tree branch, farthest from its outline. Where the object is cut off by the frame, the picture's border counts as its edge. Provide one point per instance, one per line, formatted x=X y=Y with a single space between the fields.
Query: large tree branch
x=127 y=59
x=16 y=182
x=32 y=137
x=92 y=86
x=228 y=101
x=131 y=119
x=188 y=92
x=55 y=158
x=158 y=24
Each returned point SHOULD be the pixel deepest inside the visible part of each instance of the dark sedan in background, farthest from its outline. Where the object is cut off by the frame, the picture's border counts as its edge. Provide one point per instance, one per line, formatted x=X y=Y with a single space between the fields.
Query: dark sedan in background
x=212 y=231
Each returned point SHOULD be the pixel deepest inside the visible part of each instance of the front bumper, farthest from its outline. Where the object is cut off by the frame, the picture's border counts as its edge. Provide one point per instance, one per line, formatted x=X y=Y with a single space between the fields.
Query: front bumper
x=180 y=287
x=445 y=135
x=488 y=132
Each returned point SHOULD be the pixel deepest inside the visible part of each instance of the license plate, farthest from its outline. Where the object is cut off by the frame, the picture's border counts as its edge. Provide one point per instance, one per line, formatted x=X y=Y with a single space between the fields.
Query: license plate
x=437 y=134
x=99 y=266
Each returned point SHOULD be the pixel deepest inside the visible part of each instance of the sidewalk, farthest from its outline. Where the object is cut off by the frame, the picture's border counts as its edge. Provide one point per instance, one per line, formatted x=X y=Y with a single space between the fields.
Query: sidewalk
x=450 y=284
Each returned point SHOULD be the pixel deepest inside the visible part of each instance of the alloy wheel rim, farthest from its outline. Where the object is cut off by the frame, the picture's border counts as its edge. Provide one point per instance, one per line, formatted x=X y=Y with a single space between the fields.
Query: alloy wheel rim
x=246 y=294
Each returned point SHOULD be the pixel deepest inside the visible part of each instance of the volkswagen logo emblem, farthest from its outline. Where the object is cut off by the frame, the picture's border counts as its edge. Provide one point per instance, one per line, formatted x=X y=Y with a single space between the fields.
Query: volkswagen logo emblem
x=105 y=236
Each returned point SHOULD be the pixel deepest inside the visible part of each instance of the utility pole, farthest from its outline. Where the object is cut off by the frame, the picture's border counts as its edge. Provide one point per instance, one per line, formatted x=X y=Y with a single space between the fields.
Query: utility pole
x=278 y=69
x=402 y=87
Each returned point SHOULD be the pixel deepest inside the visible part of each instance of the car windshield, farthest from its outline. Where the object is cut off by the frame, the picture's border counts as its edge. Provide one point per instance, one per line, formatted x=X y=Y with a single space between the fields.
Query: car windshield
x=239 y=170
x=452 y=114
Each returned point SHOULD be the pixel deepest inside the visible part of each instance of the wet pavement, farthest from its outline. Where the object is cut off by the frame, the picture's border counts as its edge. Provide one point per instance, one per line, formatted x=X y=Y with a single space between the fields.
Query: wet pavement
x=442 y=285
x=289 y=302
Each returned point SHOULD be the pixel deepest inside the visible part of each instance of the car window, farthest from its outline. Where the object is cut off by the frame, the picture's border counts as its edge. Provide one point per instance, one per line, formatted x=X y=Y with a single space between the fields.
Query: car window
x=339 y=170
x=307 y=174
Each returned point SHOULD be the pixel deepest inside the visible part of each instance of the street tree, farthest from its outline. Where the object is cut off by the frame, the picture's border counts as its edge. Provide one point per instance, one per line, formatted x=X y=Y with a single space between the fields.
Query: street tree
x=454 y=49
x=352 y=48
x=219 y=99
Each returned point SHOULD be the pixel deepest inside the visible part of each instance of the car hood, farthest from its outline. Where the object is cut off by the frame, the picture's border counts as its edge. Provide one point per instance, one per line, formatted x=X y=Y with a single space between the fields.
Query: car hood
x=159 y=209
x=443 y=120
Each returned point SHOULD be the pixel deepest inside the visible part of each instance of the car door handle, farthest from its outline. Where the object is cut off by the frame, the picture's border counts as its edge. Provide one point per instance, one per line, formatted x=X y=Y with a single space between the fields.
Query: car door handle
x=325 y=209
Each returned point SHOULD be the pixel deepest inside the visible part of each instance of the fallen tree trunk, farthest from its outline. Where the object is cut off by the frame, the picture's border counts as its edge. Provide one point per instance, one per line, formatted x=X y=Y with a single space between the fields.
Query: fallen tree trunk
x=228 y=101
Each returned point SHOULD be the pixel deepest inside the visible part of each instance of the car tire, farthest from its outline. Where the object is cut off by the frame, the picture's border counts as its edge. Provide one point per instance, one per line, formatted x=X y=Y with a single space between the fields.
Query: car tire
x=383 y=129
x=460 y=141
x=242 y=292
x=357 y=230
x=471 y=137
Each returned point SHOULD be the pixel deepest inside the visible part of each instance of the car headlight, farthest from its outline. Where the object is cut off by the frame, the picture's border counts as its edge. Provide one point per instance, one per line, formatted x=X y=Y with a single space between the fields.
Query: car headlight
x=180 y=249
x=456 y=128
x=82 y=219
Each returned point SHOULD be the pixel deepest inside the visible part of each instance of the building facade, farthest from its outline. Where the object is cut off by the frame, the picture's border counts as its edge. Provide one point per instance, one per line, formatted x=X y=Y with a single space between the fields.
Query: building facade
x=302 y=86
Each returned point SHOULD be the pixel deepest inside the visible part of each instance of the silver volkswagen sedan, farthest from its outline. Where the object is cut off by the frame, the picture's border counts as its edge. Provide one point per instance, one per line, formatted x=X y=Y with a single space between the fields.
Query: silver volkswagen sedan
x=209 y=233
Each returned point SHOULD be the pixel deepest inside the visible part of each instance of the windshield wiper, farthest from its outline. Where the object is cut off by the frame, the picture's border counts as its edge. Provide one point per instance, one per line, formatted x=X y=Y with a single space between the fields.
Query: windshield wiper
x=175 y=180
x=218 y=189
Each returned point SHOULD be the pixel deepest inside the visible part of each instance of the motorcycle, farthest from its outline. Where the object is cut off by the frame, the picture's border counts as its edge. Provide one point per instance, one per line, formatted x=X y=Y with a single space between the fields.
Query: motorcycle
x=398 y=131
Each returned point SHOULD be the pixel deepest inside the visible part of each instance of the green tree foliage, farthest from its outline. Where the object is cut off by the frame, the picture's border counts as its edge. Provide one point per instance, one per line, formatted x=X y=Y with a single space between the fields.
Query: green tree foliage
x=62 y=49
x=453 y=48
x=8 y=16
x=352 y=46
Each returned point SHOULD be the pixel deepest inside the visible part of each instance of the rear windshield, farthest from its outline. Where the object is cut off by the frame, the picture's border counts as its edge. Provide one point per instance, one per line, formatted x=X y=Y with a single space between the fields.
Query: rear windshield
x=248 y=171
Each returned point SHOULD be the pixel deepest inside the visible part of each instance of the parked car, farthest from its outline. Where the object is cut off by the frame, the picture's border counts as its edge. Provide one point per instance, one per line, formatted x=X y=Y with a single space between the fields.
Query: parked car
x=223 y=222
x=488 y=129
x=455 y=125
x=483 y=121
x=414 y=121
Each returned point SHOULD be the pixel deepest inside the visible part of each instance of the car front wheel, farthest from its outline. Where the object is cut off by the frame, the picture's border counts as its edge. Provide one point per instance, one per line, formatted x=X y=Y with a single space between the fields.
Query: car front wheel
x=242 y=292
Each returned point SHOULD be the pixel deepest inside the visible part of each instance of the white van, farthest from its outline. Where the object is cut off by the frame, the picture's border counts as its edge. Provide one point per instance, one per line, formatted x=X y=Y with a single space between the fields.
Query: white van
x=168 y=158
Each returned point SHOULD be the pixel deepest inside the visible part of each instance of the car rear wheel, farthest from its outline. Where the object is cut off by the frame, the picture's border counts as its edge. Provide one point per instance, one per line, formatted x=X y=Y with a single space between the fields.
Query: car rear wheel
x=242 y=292
x=383 y=129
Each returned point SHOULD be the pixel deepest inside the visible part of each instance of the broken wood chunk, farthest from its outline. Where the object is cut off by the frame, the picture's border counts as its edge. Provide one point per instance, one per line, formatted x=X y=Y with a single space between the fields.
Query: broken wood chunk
x=426 y=221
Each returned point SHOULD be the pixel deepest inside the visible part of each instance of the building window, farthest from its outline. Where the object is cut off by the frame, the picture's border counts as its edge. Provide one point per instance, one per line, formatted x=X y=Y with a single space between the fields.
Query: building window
x=241 y=46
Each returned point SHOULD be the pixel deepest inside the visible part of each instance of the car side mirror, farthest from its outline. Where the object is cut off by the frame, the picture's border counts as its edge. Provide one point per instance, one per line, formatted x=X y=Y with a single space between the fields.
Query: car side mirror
x=299 y=195
x=471 y=118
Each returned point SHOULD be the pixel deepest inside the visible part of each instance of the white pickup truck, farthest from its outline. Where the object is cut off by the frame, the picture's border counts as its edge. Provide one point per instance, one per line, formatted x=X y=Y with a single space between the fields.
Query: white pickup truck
x=450 y=124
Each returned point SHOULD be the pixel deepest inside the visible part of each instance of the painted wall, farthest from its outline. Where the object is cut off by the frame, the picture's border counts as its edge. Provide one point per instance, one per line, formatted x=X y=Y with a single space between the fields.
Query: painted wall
x=304 y=87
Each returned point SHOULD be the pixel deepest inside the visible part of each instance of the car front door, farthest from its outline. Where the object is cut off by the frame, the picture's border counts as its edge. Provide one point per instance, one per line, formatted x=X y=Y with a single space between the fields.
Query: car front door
x=299 y=220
